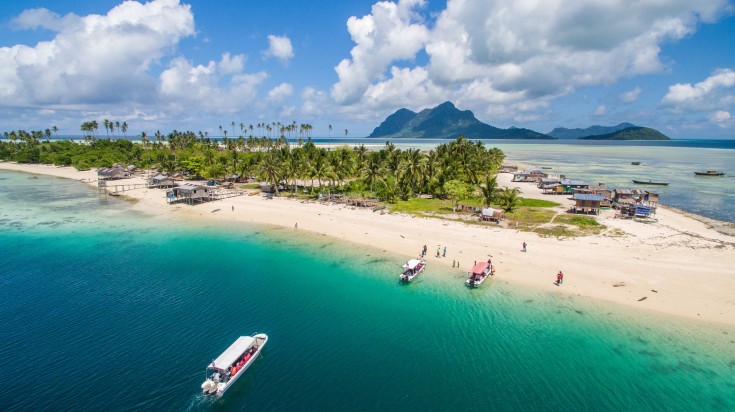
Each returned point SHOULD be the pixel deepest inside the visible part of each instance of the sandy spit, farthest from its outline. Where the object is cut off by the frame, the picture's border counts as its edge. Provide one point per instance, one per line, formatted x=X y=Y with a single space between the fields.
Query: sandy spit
x=681 y=265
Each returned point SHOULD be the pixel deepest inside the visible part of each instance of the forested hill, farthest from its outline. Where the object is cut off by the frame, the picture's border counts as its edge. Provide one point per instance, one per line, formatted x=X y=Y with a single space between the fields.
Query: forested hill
x=630 y=133
x=446 y=122
x=564 y=133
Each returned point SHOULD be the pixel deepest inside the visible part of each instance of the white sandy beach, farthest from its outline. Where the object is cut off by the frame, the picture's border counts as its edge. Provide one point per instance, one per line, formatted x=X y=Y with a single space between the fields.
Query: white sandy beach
x=680 y=265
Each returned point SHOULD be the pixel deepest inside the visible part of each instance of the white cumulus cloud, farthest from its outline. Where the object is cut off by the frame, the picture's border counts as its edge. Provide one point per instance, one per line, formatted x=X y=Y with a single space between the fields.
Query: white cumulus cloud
x=279 y=47
x=95 y=58
x=280 y=92
x=184 y=84
x=501 y=55
x=631 y=95
x=390 y=33
x=714 y=92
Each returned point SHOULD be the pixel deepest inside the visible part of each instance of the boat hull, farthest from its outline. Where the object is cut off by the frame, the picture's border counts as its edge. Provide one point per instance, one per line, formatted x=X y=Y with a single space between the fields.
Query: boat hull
x=643 y=182
x=709 y=173
x=409 y=278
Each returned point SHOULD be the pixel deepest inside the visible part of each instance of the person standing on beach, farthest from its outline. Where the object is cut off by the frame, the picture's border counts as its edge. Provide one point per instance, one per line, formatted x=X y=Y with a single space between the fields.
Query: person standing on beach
x=445 y=252
x=524 y=247
x=438 y=250
x=559 y=277
x=233 y=208
x=296 y=226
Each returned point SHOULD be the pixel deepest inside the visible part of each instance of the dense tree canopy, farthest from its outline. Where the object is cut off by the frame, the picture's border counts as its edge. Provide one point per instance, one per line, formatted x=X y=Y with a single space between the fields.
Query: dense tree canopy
x=456 y=170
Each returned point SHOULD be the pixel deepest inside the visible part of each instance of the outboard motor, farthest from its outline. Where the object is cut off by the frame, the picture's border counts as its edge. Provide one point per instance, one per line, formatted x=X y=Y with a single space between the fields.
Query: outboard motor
x=209 y=387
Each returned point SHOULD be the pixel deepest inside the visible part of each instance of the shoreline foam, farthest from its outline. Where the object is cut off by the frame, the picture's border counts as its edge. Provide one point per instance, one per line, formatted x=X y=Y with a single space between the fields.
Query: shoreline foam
x=680 y=265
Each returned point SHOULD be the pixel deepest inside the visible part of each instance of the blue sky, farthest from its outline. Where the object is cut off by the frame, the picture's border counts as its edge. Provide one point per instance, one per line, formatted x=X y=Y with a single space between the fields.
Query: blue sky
x=196 y=65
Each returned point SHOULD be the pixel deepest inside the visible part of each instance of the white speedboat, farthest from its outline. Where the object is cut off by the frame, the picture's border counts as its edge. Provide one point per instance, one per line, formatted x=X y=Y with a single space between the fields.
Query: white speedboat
x=222 y=373
x=480 y=272
x=411 y=269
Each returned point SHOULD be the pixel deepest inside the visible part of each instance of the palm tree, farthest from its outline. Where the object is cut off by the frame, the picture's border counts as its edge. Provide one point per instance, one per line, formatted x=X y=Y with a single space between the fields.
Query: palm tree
x=489 y=189
x=371 y=171
x=411 y=167
x=125 y=128
x=108 y=126
x=509 y=199
x=321 y=169
x=55 y=130
x=270 y=169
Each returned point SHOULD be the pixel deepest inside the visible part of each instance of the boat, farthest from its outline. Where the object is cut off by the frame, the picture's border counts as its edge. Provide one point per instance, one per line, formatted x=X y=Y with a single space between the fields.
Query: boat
x=635 y=163
x=224 y=371
x=710 y=173
x=480 y=272
x=650 y=182
x=411 y=269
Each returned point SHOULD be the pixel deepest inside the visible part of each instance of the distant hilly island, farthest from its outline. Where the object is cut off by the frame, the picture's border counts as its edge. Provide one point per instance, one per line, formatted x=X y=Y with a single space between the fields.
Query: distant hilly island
x=447 y=122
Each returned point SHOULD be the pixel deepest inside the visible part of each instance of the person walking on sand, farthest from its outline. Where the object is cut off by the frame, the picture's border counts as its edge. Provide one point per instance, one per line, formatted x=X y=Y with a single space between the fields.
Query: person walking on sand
x=524 y=247
x=233 y=208
x=559 y=278
x=438 y=250
x=445 y=252
x=296 y=226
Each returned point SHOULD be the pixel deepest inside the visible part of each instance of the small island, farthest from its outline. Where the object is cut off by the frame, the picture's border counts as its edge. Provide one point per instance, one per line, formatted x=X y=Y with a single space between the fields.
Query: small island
x=630 y=133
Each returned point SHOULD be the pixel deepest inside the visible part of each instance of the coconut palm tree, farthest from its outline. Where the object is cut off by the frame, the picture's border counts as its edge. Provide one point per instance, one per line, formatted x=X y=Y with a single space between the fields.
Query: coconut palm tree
x=270 y=169
x=489 y=189
x=371 y=172
x=508 y=198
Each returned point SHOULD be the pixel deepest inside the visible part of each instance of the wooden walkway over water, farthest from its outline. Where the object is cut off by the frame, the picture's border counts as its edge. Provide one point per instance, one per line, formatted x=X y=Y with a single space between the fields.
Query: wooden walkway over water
x=117 y=189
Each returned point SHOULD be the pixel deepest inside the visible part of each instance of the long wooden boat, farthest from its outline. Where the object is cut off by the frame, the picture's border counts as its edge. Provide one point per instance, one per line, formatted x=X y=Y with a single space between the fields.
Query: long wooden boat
x=411 y=269
x=710 y=173
x=650 y=182
x=635 y=163
x=224 y=371
x=480 y=272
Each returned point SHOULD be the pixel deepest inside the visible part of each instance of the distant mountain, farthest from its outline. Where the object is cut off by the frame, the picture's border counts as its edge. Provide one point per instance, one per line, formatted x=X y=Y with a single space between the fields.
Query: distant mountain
x=446 y=122
x=630 y=133
x=564 y=133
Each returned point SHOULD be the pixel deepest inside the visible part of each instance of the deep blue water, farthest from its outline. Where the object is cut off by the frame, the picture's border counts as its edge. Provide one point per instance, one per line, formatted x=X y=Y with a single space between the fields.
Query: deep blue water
x=106 y=309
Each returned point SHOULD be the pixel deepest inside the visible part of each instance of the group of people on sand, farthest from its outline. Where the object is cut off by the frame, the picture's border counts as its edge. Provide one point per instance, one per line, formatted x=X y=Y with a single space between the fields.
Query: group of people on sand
x=524 y=248
x=439 y=252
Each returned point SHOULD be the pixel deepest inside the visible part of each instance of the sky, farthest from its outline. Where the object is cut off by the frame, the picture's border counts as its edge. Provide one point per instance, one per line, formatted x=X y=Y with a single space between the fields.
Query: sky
x=198 y=65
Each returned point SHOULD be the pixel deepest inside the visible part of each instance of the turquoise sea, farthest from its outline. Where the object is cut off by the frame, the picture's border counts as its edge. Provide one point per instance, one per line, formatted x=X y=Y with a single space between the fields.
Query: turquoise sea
x=104 y=308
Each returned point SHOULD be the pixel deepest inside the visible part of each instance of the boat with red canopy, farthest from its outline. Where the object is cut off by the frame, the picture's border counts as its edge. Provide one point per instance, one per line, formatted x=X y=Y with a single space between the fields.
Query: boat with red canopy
x=480 y=272
x=222 y=373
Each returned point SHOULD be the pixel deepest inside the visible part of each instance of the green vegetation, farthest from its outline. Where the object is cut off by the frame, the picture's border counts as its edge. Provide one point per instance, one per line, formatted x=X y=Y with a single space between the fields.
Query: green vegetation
x=630 y=133
x=455 y=170
x=536 y=203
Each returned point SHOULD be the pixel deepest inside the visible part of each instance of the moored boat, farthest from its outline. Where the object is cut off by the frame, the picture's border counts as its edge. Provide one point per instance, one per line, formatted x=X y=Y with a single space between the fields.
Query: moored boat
x=710 y=173
x=650 y=182
x=411 y=269
x=635 y=163
x=480 y=272
x=222 y=373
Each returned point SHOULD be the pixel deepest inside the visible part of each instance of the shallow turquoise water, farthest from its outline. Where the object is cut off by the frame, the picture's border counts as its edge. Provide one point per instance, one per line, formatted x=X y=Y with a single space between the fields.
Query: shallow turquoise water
x=126 y=317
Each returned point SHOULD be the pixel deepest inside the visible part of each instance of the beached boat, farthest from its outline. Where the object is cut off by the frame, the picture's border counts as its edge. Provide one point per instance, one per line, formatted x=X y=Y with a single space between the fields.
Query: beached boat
x=710 y=173
x=224 y=371
x=635 y=163
x=480 y=272
x=411 y=269
x=650 y=182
